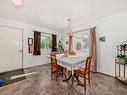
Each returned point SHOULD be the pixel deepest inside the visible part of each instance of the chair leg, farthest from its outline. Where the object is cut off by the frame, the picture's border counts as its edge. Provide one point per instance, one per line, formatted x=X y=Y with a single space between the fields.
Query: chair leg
x=51 y=75
x=89 y=78
x=65 y=72
x=62 y=73
x=76 y=76
x=84 y=83
x=56 y=75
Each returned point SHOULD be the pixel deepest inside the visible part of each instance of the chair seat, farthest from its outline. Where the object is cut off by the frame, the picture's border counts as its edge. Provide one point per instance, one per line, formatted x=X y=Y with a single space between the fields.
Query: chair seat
x=56 y=67
x=81 y=72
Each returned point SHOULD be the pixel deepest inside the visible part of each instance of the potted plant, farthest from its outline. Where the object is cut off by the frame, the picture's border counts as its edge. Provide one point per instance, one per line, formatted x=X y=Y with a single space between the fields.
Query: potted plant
x=60 y=47
x=121 y=59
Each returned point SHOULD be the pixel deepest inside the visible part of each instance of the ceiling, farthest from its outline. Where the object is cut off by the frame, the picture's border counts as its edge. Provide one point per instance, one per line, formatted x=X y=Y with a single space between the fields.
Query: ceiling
x=53 y=14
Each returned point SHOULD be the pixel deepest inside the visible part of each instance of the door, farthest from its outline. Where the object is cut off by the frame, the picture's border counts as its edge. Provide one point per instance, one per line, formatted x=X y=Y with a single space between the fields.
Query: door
x=10 y=49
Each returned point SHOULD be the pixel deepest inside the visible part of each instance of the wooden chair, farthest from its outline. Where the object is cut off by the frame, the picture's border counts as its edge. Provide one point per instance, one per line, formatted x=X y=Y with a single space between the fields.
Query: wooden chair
x=56 y=69
x=84 y=72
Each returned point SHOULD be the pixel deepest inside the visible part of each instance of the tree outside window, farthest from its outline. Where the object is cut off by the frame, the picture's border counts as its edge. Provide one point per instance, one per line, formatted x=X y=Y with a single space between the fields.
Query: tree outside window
x=46 y=42
x=81 y=42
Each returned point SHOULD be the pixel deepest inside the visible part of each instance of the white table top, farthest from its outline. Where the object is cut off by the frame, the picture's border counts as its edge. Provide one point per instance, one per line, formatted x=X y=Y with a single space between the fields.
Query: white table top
x=71 y=62
x=71 y=59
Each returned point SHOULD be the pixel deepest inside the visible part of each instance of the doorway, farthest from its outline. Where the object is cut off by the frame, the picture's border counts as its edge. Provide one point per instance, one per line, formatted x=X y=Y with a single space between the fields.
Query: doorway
x=11 y=49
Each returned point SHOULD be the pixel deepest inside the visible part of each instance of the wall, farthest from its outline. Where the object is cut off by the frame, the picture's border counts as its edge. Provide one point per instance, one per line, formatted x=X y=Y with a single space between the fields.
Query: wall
x=114 y=28
x=29 y=60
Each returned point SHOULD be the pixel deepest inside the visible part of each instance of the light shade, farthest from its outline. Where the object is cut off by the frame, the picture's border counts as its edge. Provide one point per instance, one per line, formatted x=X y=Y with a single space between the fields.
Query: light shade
x=17 y=2
x=69 y=31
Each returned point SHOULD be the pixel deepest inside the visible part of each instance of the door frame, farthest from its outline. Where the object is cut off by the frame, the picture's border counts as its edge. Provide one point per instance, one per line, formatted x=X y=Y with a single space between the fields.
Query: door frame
x=22 y=30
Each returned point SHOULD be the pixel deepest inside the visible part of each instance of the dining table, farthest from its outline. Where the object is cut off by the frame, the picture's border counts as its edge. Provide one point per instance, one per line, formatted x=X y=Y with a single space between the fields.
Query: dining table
x=71 y=63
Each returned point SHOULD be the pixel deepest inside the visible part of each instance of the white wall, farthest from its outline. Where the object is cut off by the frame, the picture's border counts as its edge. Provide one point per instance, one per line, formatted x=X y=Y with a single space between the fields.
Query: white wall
x=114 y=28
x=29 y=60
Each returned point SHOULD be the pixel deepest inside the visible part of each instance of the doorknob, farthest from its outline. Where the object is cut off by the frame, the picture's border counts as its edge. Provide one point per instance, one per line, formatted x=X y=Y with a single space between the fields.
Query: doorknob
x=21 y=51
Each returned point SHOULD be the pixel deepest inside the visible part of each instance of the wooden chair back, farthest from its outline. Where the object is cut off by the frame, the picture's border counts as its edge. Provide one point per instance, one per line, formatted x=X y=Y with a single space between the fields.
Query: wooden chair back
x=88 y=64
x=53 y=60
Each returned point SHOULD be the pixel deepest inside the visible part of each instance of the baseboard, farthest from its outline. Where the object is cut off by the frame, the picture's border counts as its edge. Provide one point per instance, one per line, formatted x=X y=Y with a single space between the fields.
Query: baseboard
x=36 y=66
x=11 y=70
x=104 y=74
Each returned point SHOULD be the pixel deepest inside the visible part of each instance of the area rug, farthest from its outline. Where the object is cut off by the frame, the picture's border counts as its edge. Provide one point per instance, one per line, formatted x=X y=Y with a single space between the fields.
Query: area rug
x=9 y=77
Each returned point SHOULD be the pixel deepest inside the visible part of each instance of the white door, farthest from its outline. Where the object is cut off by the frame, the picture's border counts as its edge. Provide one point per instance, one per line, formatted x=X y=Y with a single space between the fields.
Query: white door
x=10 y=49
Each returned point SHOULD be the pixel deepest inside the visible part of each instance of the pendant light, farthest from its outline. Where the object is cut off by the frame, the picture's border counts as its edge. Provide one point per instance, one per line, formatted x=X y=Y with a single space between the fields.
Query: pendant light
x=69 y=31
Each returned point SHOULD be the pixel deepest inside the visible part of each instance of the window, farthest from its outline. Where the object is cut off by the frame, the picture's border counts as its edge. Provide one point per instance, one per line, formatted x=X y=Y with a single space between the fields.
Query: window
x=81 y=41
x=46 y=41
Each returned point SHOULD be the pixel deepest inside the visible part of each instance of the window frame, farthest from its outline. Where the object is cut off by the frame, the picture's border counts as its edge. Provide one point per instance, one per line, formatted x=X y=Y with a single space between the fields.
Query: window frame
x=81 y=35
x=45 y=43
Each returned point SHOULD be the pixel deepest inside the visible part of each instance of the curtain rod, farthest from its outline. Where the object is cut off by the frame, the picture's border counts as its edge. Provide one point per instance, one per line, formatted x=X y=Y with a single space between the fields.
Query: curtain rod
x=83 y=30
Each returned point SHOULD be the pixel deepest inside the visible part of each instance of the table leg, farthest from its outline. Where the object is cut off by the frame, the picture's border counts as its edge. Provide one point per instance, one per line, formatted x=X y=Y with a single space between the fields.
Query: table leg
x=72 y=80
x=70 y=75
x=77 y=78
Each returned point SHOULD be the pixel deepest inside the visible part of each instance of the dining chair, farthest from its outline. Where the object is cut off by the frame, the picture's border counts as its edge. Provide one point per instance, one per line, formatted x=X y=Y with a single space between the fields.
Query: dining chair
x=84 y=72
x=56 y=69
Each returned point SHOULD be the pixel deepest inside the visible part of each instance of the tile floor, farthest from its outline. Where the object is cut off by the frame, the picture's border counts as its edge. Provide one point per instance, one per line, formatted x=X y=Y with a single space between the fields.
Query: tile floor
x=39 y=83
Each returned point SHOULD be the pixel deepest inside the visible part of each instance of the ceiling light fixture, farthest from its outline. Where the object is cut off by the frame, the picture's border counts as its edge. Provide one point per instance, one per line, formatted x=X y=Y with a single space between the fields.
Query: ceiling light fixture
x=69 y=31
x=17 y=2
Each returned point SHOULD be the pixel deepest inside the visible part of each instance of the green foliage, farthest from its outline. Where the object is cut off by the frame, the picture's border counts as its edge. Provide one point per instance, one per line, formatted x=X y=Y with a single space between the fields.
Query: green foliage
x=121 y=59
x=60 y=47
x=46 y=42
x=81 y=42
x=121 y=56
x=85 y=42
